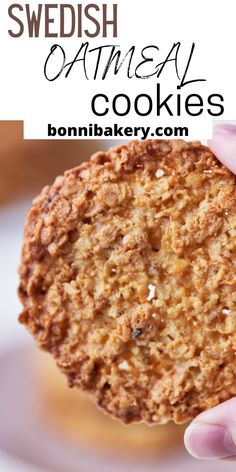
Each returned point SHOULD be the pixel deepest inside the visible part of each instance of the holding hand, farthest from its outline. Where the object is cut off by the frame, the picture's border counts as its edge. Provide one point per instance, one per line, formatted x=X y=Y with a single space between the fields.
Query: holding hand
x=213 y=433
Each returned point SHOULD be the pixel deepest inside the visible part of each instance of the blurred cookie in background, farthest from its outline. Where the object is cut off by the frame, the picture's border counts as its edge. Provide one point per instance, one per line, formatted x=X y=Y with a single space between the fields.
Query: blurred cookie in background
x=27 y=165
x=72 y=416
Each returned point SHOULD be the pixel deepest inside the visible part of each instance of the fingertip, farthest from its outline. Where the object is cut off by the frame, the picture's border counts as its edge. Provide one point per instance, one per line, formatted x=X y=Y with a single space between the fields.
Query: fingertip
x=223 y=144
x=206 y=441
x=224 y=129
x=213 y=433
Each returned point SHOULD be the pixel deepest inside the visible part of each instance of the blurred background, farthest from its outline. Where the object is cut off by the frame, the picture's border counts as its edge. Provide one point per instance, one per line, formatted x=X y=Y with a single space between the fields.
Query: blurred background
x=44 y=426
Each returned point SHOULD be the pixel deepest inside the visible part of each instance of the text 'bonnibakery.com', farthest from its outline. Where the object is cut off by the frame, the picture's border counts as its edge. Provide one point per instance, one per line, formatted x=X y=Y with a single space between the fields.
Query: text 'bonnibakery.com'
x=93 y=130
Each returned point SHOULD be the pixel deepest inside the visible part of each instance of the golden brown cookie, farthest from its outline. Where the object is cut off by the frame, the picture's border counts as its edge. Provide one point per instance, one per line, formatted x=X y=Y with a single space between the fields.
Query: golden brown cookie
x=128 y=277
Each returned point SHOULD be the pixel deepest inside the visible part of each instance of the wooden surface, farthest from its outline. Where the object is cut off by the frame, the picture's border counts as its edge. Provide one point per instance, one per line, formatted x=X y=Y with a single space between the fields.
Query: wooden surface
x=27 y=165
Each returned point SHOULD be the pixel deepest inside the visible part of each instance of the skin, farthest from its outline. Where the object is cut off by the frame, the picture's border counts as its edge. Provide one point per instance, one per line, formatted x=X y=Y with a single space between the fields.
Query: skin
x=212 y=434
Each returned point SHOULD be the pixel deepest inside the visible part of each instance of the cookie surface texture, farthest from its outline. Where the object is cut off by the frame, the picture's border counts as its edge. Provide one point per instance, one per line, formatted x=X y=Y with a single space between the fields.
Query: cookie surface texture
x=128 y=277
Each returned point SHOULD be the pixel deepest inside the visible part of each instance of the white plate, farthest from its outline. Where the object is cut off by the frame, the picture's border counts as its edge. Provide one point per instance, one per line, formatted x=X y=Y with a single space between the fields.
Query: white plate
x=28 y=445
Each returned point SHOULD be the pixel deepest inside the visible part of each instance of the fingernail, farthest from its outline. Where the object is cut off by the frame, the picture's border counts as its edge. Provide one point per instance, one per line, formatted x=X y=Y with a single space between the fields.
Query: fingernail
x=205 y=441
x=225 y=128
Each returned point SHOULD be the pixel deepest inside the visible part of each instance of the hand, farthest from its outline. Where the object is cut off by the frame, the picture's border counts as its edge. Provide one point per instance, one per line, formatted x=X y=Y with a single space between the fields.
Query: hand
x=213 y=433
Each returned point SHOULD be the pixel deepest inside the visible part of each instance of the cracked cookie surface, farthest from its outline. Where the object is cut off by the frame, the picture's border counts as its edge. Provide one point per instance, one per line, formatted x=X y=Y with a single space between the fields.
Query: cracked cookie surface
x=128 y=278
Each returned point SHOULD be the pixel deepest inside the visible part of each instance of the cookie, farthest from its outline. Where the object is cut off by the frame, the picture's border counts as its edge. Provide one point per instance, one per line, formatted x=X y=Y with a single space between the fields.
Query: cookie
x=70 y=414
x=128 y=279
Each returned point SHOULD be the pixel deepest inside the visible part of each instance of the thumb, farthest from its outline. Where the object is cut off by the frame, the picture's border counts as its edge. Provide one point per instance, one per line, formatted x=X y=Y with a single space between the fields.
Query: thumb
x=223 y=145
x=213 y=433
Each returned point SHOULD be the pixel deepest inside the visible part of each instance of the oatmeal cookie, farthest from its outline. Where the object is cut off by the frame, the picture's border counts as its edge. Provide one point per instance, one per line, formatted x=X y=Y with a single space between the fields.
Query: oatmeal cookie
x=128 y=279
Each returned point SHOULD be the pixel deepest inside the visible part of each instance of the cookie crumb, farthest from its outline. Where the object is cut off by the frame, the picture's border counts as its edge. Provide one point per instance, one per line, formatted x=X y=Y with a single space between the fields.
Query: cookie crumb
x=152 y=289
x=226 y=311
x=84 y=173
x=136 y=333
x=124 y=365
x=135 y=350
x=159 y=173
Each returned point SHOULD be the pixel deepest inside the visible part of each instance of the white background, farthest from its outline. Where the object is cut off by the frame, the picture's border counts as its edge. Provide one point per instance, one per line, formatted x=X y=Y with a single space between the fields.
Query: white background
x=25 y=93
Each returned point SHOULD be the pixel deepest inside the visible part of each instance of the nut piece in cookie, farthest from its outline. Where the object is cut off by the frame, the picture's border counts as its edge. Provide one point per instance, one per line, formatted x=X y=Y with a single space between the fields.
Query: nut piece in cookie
x=128 y=278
